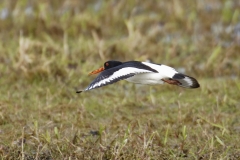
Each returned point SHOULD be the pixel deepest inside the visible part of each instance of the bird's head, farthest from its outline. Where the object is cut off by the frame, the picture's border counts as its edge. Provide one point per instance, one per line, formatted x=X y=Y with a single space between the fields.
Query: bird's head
x=107 y=65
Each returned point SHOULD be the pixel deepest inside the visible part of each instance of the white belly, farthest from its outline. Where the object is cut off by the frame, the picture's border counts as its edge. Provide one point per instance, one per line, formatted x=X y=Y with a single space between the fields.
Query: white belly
x=147 y=78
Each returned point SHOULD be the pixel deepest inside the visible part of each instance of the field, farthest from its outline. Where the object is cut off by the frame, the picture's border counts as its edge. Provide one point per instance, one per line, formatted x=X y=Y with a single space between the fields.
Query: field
x=47 y=49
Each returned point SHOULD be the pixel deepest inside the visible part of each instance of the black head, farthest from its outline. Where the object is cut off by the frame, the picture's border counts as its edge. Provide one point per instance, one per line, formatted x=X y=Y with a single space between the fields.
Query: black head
x=111 y=64
x=107 y=65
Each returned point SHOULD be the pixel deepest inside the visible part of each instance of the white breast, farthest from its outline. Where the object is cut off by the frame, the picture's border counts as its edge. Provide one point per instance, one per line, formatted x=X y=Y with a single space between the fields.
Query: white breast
x=146 y=78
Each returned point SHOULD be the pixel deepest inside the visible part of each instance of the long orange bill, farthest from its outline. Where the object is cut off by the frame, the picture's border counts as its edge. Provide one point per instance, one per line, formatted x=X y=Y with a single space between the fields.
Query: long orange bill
x=97 y=71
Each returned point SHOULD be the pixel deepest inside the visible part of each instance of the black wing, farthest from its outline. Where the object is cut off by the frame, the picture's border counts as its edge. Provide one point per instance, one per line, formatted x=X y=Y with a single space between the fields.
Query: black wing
x=115 y=74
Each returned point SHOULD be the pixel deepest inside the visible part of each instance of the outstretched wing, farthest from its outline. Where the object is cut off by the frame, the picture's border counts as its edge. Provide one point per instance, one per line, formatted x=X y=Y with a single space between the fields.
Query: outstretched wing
x=117 y=73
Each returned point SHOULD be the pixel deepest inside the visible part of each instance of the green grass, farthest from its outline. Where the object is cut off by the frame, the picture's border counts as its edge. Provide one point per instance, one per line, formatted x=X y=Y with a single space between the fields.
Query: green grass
x=46 y=55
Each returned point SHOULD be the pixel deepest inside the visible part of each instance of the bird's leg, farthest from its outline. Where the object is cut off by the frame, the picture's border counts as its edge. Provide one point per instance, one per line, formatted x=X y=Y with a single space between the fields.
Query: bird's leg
x=171 y=81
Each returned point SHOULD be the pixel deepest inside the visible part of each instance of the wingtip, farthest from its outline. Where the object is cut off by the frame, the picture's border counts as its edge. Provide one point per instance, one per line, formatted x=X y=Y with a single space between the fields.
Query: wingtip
x=79 y=91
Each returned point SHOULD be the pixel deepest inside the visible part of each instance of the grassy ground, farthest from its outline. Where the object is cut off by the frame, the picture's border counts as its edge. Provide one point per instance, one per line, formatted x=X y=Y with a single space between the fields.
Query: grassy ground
x=47 y=50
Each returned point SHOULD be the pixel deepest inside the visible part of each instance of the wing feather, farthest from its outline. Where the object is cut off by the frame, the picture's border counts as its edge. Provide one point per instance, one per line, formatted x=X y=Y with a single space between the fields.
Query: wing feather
x=114 y=75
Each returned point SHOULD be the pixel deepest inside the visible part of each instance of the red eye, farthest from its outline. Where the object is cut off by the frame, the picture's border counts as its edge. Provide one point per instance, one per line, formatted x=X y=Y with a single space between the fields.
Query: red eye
x=107 y=64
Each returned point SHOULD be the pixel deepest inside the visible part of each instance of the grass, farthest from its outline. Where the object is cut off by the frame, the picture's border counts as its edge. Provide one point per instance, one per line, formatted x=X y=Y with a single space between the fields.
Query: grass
x=47 y=50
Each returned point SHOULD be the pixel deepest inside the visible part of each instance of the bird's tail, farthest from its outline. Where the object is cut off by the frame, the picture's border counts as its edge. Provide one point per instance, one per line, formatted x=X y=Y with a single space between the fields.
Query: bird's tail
x=185 y=81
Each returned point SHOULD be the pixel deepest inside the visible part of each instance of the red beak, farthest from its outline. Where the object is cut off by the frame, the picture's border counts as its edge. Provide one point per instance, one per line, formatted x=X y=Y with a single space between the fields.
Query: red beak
x=97 y=71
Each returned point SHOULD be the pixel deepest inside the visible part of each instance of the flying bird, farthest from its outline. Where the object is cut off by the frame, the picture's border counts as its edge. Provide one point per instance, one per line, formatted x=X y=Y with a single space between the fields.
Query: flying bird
x=139 y=73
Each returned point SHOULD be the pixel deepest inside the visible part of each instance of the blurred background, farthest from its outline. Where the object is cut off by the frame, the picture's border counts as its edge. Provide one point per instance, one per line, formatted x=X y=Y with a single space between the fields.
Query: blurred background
x=47 y=49
x=43 y=37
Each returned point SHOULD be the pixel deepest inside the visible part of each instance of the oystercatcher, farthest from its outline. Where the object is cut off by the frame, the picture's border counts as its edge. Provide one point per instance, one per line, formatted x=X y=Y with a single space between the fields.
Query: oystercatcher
x=140 y=73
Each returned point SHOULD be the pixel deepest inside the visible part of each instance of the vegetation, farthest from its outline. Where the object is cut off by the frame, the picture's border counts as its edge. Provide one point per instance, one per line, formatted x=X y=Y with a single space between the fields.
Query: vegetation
x=47 y=49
